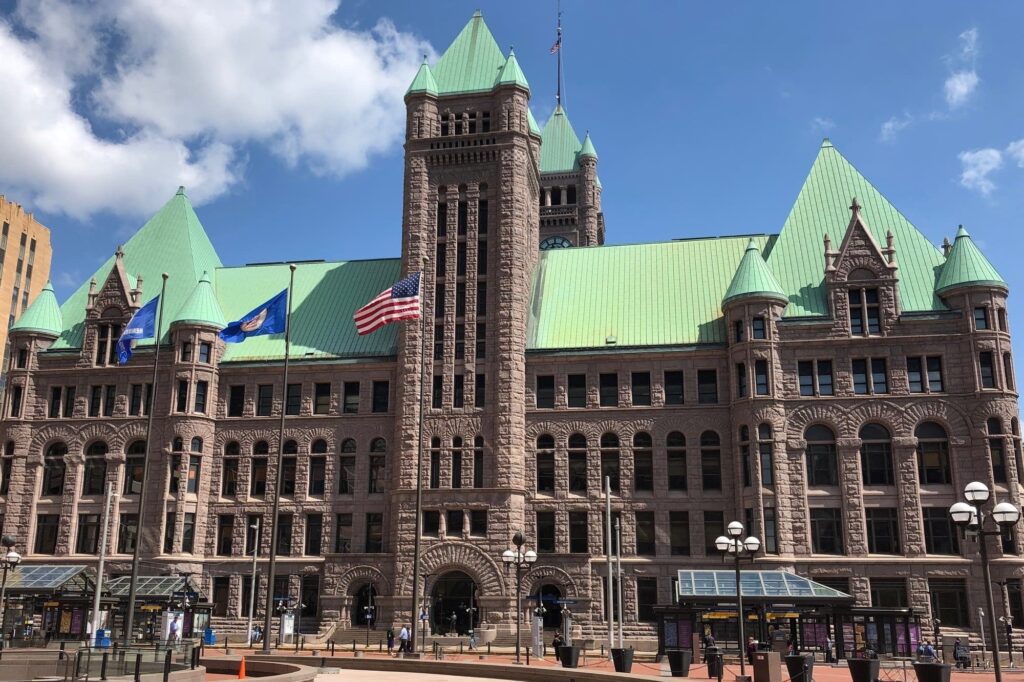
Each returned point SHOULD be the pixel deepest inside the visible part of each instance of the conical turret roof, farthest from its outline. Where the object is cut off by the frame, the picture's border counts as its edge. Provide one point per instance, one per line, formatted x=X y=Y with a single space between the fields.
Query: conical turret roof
x=753 y=278
x=472 y=62
x=588 y=148
x=201 y=307
x=559 y=144
x=966 y=265
x=423 y=82
x=511 y=74
x=43 y=316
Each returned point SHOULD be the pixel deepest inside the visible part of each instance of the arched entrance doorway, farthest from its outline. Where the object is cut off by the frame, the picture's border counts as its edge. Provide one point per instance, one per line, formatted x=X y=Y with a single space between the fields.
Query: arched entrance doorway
x=366 y=596
x=453 y=596
x=549 y=596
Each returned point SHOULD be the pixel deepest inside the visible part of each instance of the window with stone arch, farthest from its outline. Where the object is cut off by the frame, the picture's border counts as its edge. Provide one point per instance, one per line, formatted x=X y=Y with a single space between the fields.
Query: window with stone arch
x=94 y=477
x=643 y=461
x=545 y=464
x=822 y=464
x=54 y=469
x=933 y=454
x=290 y=447
x=456 y=462
x=348 y=445
x=710 y=461
x=577 y=445
x=177 y=445
x=232 y=449
x=610 y=461
x=318 y=447
x=765 y=453
x=261 y=447
x=876 y=461
x=197 y=444
x=864 y=304
x=997 y=449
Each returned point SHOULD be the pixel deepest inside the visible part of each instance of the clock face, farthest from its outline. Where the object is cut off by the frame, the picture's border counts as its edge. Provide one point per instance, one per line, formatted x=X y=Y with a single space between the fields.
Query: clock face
x=555 y=243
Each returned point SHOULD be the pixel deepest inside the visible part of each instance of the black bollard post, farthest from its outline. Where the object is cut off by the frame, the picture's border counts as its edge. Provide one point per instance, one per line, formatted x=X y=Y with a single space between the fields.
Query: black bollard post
x=225 y=643
x=460 y=647
x=302 y=641
x=528 y=657
x=332 y=647
x=380 y=645
x=103 y=666
x=138 y=666
x=353 y=646
x=60 y=656
x=167 y=665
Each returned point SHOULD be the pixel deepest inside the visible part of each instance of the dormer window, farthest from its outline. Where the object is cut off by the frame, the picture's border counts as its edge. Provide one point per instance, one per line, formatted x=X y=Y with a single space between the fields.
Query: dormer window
x=865 y=318
x=107 y=334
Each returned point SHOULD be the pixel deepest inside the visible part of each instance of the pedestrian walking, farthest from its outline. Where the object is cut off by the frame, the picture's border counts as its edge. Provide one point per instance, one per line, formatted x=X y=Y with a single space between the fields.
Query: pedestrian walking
x=403 y=640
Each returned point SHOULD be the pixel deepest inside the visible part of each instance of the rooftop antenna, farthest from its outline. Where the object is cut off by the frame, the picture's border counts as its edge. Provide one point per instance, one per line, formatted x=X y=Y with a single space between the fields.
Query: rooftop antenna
x=557 y=49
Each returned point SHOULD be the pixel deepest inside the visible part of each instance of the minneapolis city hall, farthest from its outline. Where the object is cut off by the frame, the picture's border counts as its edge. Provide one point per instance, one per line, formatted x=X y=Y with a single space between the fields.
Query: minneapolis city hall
x=832 y=385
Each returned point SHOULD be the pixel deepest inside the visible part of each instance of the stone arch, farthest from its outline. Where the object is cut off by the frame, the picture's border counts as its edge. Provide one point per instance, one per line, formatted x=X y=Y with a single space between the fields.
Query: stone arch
x=879 y=412
x=462 y=556
x=447 y=428
x=542 y=575
x=354 y=578
x=954 y=420
x=44 y=437
x=130 y=432
x=1005 y=410
x=808 y=415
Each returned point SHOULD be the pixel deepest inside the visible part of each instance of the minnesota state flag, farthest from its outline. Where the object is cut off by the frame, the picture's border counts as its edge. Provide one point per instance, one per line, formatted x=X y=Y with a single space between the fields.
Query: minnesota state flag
x=268 y=318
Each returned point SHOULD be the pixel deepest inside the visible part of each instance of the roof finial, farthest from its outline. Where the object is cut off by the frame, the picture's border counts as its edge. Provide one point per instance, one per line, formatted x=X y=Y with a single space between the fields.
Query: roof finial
x=119 y=252
x=947 y=246
x=855 y=207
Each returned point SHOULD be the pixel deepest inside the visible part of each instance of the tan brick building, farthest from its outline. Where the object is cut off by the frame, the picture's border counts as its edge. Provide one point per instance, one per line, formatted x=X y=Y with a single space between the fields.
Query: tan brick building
x=25 y=254
x=833 y=386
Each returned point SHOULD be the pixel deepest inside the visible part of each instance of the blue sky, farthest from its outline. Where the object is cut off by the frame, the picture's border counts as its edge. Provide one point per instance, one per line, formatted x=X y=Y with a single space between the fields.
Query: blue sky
x=706 y=116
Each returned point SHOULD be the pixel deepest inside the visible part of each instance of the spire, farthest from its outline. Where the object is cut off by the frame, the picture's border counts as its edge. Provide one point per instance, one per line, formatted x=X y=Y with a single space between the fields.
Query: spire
x=559 y=144
x=43 y=316
x=753 y=278
x=472 y=62
x=511 y=74
x=424 y=81
x=201 y=306
x=967 y=266
x=588 y=147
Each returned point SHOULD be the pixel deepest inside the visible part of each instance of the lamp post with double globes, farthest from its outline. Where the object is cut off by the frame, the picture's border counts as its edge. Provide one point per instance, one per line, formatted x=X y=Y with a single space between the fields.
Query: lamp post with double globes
x=731 y=544
x=521 y=561
x=10 y=560
x=970 y=517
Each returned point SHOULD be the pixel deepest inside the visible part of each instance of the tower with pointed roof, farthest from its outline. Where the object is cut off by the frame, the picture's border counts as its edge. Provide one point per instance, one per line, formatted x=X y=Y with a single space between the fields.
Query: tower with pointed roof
x=570 y=213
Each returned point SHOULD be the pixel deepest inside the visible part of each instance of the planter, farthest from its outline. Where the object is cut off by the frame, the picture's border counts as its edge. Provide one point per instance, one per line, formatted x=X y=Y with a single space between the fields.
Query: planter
x=932 y=672
x=622 y=659
x=679 y=662
x=570 y=656
x=863 y=669
x=800 y=667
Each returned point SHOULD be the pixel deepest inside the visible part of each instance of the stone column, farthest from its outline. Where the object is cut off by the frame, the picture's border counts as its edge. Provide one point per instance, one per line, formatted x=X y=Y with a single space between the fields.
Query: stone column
x=904 y=454
x=791 y=497
x=848 y=453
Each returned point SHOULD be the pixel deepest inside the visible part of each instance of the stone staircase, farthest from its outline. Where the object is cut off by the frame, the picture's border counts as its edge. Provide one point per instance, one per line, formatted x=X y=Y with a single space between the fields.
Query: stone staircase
x=233 y=629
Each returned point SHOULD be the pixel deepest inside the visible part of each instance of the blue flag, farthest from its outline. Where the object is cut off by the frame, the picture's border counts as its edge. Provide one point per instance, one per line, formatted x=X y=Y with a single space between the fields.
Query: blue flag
x=268 y=318
x=141 y=326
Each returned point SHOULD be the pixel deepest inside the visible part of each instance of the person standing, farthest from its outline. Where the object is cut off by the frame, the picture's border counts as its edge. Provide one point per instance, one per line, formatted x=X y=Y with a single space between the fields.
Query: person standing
x=391 y=641
x=403 y=640
x=829 y=644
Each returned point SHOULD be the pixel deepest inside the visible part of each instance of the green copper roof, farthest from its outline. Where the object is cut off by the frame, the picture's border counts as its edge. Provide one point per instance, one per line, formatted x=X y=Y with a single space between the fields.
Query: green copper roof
x=753 y=278
x=511 y=74
x=326 y=295
x=472 y=62
x=798 y=259
x=172 y=241
x=668 y=293
x=534 y=128
x=201 y=306
x=43 y=316
x=966 y=265
x=559 y=144
x=424 y=81
x=588 y=147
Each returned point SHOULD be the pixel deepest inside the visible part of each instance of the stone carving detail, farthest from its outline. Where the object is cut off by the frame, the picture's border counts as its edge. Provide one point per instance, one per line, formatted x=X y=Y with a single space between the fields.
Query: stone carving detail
x=355 y=578
x=461 y=556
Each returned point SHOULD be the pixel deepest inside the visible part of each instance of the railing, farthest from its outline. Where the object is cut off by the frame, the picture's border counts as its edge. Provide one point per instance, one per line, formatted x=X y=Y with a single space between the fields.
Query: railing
x=95 y=663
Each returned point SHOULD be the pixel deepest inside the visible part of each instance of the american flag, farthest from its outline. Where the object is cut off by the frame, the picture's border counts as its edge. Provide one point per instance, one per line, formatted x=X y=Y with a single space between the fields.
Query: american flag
x=557 y=46
x=399 y=302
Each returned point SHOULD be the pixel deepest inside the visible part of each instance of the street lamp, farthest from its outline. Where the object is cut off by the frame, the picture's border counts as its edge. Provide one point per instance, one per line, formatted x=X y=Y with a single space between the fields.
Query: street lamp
x=739 y=549
x=252 y=581
x=10 y=561
x=970 y=517
x=521 y=561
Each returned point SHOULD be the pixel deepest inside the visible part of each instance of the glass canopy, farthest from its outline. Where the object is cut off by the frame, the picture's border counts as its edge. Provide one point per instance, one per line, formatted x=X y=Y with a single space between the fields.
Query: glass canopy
x=769 y=584
x=153 y=586
x=50 y=578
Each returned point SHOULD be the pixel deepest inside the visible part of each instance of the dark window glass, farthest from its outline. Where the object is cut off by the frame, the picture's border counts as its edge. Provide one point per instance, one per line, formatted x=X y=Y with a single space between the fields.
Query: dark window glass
x=940 y=536
x=545 y=532
x=643 y=462
x=229 y=477
x=284 y=534
x=321 y=398
x=288 y=467
x=481 y=293
x=437 y=392
x=459 y=391
x=827 y=531
x=478 y=522
x=988 y=376
x=200 y=403
x=455 y=523
x=442 y=208
x=204 y=352
x=645 y=535
x=876 y=455
x=16 y=395
x=481 y=341
x=317 y=475
x=932 y=454
x=264 y=400
x=710 y=461
x=949 y=602
x=94 y=476
x=889 y=593
x=374 y=533
x=860 y=376
x=761 y=377
x=739 y=331
x=480 y=391
x=879 y=376
x=714 y=526
x=463 y=219
x=673 y=388
x=741 y=380
x=577 y=395
x=759 y=328
x=258 y=478
x=641 y=384
x=432 y=523
x=54 y=469
x=609 y=390
x=578 y=528
x=127 y=532
x=478 y=462
x=351 y=397
x=87 y=541
x=381 y=396
x=182 y=403
x=578 y=463
x=771 y=531
x=981 y=318
x=545 y=391
x=314 y=534
x=347 y=476
x=545 y=464
x=822 y=467
x=481 y=215
x=293 y=399
x=236 y=401
x=610 y=461
x=47 y=526
x=915 y=376
x=377 y=481
x=707 y=386
x=675 y=450
x=188 y=533
x=343 y=533
x=225 y=531
x=883 y=530
x=679 y=533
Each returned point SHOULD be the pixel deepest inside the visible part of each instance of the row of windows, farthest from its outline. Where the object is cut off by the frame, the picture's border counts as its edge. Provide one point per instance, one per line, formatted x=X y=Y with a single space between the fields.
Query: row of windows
x=640 y=389
x=459 y=475
x=350 y=397
x=466 y=123
x=101 y=401
x=455 y=522
x=984 y=319
x=458 y=394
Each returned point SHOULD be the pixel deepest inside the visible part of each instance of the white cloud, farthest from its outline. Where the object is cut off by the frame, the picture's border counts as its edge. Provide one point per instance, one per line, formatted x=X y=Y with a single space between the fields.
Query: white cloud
x=959 y=87
x=969 y=44
x=976 y=165
x=121 y=101
x=963 y=78
x=822 y=124
x=893 y=127
x=1015 y=150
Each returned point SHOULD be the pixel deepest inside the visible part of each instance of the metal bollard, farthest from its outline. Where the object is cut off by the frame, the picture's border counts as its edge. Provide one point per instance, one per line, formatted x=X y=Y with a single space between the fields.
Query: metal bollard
x=60 y=656
x=138 y=666
x=460 y=647
x=332 y=647
x=103 y=666
x=302 y=641
x=488 y=648
x=167 y=665
x=353 y=646
x=225 y=643
x=528 y=657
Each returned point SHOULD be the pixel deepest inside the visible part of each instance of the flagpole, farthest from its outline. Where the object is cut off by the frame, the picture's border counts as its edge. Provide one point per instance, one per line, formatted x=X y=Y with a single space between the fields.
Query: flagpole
x=267 y=616
x=419 y=467
x=558 y=94
x=133 y=583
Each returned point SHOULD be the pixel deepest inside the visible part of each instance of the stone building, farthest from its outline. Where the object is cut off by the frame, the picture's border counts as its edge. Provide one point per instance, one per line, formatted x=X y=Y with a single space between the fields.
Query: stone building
x=833 y=386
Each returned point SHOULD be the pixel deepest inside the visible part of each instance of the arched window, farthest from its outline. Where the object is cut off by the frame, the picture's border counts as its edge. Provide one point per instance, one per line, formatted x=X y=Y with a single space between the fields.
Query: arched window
x=822 y=465
x=134 y=464
x=348 y=445
x=177 y=445
x=435 y=462
x=675 y=452
x=290 y=448
x=545 y=464
x=456 y=462
x=478 y=462
x=95 y=476
x=610 y=461
x=578 y=463
x=319 y=446
x=378 y=445
x=136 y=447
x=710 y=461
x=53 y=469
x=197 y=444
x=643 y=461
x=766 y=458
x=932 y=454
x=377 y=461
x=876 y=455
x=261 y=448
x=232 y=448
x=997 y=449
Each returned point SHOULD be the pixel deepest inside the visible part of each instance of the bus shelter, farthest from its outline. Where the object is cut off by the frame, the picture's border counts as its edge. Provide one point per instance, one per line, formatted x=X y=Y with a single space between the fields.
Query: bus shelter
x=161 y=600
x=50 y=601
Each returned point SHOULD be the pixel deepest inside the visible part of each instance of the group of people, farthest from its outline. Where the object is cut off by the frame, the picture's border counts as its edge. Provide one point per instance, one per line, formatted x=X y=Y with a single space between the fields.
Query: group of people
x=256 y=636
x=961 y=653
x=403 y=641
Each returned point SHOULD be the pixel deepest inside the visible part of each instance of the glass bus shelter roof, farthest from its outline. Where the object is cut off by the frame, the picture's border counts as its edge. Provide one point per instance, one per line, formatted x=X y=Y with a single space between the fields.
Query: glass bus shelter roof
x=760 y=585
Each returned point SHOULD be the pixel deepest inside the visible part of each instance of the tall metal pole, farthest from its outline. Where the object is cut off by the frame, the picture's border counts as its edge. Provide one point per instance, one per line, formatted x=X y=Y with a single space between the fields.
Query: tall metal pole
x=134 y=580
x=987 y=572
x=102 y=558
x=739 y=611
x=3 y=603
x=419 y=469
x=277 y=475
x=519 y=601
x=609 y=593
x=618 y=574
x=252 y=582
x=558 y=93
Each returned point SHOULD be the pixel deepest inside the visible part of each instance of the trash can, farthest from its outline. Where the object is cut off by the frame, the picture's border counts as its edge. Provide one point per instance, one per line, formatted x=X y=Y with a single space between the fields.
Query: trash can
x=714 y=660
x=622 y=659
x=932 y=672
x=102 y=639
x=679 y=662
x=767 y=666
x=863 y=669
x=570 y=656
x=209 y=637
x=801 y=667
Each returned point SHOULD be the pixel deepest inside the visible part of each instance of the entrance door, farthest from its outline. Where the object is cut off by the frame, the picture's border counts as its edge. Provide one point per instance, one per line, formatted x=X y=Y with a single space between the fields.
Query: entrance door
x=365 y=597
x=310 y=596
x=454 y=599
x=549 y=596
x=221 y=593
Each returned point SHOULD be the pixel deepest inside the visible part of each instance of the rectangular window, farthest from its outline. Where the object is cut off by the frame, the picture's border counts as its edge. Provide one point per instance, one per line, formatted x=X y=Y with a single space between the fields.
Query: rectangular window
x=771 y=531
x=578 y=471
x=288 y=467
x=174 y=478
x=646 y=599
x=292 y=399
x=134 y=400
x=646 y=544
x=481 y=206
x=879 y=376
x=87 y=541
x=883 y=530
x=47 y=526
x=455 y=522
x=194 y=470
x=481 y=290
x=478 y=466
x=889 y=593
x=714 y=526
x=711 y=469
x=317 y=475
x=127 y=532
x=347 y=476
x=456 y=468
x=764 y=451
x=321 y=398
x=186 y=352
x=739 y=331
x=981 y=318
x=641 y=384
x=940 y=536
x=827 y=531
x=673 y=388
x=949 y=601
x=168 y=532
x=458 y=391
x=676 y=460
x=264 y=400
x=707 y=386
x=133 y=467
x=761 y=377
x=864 y=311
x=460 y=299
x=110 y=394
x=437 y=393
x=438 y=341
x=284 y=534
x=545 y=532
x=442 y=209
x=759 y=328
x=343 y=533
x=462 y=221
x=374 y=533
x=610 y=469
x=55 y=401
x=460 y=259
x=577 y=393
x=225 y=532
x=679 y=533
x=351 y=397
x=741 y=380
x=201 y=389
x=860 y=376
x=182 y=403
x=481 y=341
x=915 y=376
x=480 y=392
x=988 y=374
x=478 y=522
x=545 y=391
x=1007 y=372
x=643 y=470
x=69 y=402
x=205 y=352
x=376 y=474
x=381 y=396
x=609 y=390
x=229 y=477
x=188 y=533
x=314 y=534
x=16 y=395
x=578 y=528
x=545 y=472
x=236 y=400
x=258 y=478
x=431 y=523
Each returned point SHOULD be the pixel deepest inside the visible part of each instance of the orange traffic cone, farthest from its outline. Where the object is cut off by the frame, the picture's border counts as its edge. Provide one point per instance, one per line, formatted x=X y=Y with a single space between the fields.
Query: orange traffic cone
x=241 y=669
